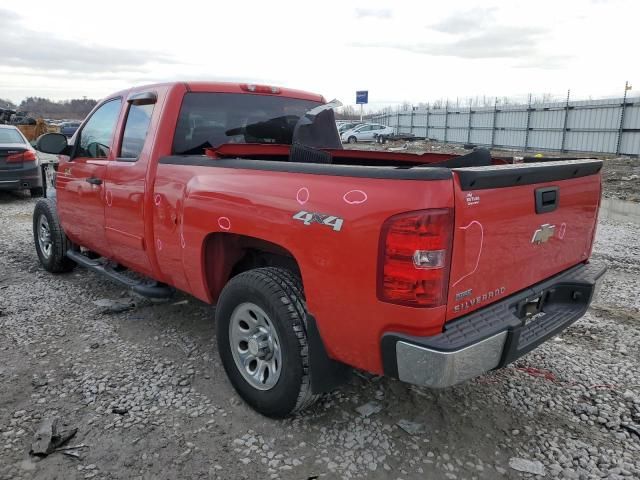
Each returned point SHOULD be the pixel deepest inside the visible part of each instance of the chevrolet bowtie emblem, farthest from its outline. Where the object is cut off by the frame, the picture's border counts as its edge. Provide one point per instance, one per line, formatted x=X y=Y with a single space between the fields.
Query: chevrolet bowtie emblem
x=543 y=234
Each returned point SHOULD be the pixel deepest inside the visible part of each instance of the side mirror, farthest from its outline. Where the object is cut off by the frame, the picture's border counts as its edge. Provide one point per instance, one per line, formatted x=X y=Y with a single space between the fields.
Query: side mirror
x=54 y=143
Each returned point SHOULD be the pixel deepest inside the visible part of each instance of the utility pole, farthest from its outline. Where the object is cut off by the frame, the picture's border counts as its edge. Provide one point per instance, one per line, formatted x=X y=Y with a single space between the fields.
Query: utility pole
x=526 y=135
x=627 y=87
x=493 y=123
x=426 y=132
x=446 y=119
x=566 y=118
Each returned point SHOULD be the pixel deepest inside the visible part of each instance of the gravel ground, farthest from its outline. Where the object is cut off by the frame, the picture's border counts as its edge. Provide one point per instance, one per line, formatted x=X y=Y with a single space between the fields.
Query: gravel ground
x=150 y=399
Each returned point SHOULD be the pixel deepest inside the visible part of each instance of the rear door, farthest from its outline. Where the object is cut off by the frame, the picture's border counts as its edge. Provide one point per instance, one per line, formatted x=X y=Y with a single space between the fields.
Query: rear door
x=80 y=181
x=365 y=134
x=516 y=225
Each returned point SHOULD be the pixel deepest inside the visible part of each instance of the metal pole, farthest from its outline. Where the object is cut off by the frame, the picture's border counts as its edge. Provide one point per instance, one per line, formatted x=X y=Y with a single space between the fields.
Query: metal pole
x=526 y=135
x=621 y=125
x=469 y=125
x=426 y=135
x=566 y=118
x=493 y=126
x=398 y=121
x=446 y=120
x=360 y=112
x=411 y=127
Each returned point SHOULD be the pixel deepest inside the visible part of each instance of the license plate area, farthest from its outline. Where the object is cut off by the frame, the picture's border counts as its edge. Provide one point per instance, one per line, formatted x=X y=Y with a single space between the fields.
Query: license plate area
x=532 y=308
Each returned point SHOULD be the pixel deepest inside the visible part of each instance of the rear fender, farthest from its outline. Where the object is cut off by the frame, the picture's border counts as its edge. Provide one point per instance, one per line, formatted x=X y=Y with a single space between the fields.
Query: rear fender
x=227 y=254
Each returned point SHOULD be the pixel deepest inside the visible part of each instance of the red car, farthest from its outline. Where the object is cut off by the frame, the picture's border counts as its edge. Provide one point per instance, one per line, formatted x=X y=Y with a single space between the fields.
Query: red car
x=430 y=268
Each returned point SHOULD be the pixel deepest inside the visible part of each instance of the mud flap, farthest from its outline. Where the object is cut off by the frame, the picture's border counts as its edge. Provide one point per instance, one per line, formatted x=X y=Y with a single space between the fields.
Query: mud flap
x=326 y=374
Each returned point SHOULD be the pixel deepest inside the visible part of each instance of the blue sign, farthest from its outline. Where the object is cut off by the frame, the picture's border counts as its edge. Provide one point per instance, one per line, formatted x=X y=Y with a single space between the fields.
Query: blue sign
x=362 y=97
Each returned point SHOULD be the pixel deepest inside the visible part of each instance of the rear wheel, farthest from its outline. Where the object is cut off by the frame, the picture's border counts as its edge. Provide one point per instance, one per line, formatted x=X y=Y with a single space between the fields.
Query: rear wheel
x=51 y=242
x=262 y=340
x=352 y=139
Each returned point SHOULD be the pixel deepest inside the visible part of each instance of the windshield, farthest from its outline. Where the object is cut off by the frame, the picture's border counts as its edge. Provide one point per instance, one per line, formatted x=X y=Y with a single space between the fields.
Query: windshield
x=10 y=135
x=212 y=119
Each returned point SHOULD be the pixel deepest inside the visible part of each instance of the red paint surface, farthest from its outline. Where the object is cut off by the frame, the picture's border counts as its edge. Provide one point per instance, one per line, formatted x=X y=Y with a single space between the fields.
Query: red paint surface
x=167 y=221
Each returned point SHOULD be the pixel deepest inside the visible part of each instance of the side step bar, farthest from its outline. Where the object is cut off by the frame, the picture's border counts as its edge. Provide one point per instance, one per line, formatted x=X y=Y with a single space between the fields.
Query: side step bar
x=146 y=288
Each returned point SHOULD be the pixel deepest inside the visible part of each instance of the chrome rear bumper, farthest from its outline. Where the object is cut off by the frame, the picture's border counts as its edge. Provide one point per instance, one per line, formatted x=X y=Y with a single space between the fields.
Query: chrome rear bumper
x=424 y=366
x=494 y=336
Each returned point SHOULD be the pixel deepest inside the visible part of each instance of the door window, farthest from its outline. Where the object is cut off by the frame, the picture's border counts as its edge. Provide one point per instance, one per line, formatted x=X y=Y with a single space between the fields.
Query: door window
x=135 y=131
x=97 y=134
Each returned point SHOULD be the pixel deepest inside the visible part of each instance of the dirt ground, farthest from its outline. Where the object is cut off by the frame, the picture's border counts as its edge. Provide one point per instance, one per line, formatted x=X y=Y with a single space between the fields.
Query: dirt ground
x=148 y=395
x=621 y=175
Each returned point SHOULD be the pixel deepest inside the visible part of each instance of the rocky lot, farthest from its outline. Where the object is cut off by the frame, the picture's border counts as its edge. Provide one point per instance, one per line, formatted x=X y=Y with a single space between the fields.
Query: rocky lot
x=143 y=385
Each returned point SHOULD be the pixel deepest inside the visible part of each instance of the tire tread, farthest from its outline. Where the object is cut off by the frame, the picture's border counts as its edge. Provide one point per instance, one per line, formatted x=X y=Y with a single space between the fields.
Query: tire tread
x=59 y=263
x=282 y=284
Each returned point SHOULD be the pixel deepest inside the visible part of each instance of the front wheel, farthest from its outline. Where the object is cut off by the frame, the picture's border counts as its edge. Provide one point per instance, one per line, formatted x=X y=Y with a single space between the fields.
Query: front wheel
x=51 y=242
x=262 y=341
x=352 y=140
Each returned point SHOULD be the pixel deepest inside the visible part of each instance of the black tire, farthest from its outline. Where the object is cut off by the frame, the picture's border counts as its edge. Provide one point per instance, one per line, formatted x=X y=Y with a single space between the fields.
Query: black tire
x=36 y=192
x=352 y=140
x=278 y=293
x=56 y=261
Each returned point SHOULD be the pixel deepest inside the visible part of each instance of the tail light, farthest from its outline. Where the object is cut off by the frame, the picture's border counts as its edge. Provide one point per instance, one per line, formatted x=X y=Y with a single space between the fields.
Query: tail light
x=250 y=87
x=415 y=255
x=26 y=156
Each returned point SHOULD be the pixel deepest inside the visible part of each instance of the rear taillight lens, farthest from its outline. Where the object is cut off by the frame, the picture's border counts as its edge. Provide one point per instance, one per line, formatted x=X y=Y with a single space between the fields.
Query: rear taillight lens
x=415 y=254
x=26 y=156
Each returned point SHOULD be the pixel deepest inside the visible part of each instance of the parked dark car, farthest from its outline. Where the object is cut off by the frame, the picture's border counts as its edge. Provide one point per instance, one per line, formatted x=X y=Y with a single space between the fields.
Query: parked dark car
x=19 y=162
x=69 y=128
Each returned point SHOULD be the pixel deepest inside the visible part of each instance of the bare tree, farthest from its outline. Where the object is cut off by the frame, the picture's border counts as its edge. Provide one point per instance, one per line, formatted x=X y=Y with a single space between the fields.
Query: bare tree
x=4 y=103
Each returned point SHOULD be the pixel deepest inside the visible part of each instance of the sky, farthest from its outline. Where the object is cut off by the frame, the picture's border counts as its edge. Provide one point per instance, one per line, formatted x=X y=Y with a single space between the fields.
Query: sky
x=400 y=51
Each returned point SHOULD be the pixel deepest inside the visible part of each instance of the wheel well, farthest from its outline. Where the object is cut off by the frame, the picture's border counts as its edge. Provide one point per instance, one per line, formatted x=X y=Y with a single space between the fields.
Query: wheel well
x=227 y=255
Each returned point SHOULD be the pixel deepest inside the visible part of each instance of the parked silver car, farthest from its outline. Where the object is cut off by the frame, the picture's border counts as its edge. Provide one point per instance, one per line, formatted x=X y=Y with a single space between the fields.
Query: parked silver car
x=367 y=132
x=19 y=162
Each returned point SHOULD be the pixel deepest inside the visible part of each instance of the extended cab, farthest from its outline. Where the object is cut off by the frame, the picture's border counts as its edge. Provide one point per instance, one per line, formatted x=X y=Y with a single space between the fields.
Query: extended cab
x=429 y=268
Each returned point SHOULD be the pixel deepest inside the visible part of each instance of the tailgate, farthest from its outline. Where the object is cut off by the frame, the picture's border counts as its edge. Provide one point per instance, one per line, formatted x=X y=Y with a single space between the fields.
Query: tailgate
x=516 y=225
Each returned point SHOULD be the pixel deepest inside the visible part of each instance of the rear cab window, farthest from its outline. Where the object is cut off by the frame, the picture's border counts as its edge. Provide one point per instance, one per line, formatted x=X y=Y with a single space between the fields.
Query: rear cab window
x=212 y=119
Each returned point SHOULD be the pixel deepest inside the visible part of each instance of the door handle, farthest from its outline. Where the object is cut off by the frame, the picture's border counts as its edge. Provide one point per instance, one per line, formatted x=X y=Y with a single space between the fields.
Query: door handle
x=94 y=181
x=547 y=199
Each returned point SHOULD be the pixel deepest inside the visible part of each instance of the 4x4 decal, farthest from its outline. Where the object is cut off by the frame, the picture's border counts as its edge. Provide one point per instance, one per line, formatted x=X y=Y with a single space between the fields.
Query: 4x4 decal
x=310 y=217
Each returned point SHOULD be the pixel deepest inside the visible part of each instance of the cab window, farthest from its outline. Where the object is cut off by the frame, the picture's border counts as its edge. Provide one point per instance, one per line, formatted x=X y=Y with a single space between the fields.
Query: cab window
x=97 y=134
x=135 y=131
x=212 y=119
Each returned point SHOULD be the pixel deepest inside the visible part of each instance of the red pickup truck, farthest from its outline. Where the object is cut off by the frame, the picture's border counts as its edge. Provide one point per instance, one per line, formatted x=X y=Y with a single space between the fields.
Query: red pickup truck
x=429 y=268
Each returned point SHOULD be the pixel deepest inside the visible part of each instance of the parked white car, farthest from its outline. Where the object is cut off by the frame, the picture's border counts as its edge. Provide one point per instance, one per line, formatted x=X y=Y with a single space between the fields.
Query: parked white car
x=365 y=133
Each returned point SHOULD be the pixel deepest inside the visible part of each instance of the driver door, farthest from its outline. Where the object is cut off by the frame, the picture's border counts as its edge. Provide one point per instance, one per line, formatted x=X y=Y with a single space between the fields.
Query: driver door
x=80 y=186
